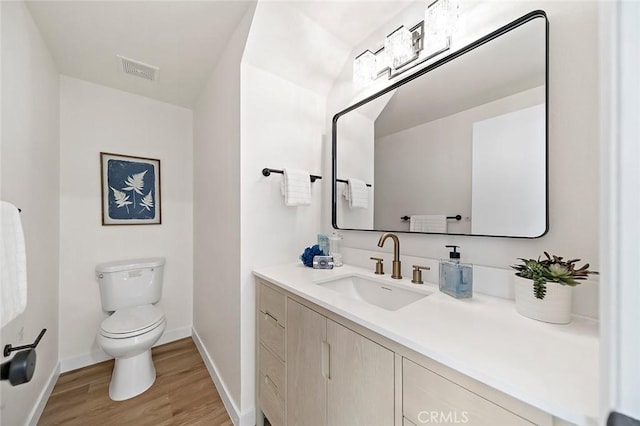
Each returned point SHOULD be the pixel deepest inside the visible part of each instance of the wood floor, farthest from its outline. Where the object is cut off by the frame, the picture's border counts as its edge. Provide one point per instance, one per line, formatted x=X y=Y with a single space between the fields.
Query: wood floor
x=183 y=394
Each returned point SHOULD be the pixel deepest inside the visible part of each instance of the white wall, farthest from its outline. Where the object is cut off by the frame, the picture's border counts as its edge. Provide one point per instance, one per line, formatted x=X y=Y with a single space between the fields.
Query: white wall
x=29 y=179
x=217 y=290
x=95 y=118
x=573 y=137
x=283 y=112
x=282 y=126
x=249 y=118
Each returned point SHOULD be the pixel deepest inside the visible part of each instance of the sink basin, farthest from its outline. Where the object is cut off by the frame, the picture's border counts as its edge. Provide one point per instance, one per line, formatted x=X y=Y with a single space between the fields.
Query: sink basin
x=379 y=293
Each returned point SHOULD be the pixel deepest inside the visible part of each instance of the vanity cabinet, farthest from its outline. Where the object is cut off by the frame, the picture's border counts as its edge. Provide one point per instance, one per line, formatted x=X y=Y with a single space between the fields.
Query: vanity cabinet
x=339 y=376
x=316 y=368
x=271 y=373
x=306 y=369
x=430 y=398
x=360 y=380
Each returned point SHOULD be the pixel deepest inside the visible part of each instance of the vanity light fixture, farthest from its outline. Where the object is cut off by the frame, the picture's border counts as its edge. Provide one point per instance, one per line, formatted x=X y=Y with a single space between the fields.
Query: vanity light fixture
x=441 y=20
x=406 y=48
x=364 y=68
x=399 y=47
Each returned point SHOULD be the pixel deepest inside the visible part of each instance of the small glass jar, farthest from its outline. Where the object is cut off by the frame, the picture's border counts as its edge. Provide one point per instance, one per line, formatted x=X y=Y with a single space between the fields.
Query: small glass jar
x=334 y=248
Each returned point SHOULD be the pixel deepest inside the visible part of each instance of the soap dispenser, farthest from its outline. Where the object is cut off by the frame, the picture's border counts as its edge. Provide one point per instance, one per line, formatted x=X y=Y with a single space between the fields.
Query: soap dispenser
x=456 y=279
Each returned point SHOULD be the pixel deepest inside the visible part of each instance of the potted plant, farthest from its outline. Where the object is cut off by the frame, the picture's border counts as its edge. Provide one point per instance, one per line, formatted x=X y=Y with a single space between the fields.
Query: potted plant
x=543 y=287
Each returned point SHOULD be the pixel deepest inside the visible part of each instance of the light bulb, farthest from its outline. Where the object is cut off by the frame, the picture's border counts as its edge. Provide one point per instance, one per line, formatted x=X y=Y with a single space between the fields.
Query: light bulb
x=364 y=69
x=399 y=47
x=440 y=21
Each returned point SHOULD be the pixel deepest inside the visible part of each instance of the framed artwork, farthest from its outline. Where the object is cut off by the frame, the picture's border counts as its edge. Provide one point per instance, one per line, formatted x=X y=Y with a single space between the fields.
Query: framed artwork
x=130 y=190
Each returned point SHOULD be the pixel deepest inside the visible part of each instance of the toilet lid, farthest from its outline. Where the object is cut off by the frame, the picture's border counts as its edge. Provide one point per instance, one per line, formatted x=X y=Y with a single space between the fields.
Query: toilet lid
x=130 y=320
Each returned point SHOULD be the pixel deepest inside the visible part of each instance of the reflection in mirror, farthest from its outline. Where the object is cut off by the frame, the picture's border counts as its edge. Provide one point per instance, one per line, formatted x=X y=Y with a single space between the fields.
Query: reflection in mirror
x=464 y=137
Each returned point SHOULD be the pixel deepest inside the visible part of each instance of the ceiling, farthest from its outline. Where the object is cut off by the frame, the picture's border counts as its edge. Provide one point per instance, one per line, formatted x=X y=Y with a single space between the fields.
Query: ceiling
x=351 y=20
x=183 y=38
x=309 y=43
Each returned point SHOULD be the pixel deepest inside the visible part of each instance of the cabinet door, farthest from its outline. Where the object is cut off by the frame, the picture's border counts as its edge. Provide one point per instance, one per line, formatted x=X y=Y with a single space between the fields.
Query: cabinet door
x=430 y=398
x=361 y=380
x=306 y=363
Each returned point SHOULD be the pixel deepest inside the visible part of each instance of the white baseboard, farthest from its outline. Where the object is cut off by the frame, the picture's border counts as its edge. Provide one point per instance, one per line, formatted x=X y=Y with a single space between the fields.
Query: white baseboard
x=34 y=417
x=238 y=418
x=91 y=358
x=83 y=360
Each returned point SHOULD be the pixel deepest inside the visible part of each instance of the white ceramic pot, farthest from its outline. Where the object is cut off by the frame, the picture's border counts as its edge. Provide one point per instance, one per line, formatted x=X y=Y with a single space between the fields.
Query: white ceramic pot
x=554 y=308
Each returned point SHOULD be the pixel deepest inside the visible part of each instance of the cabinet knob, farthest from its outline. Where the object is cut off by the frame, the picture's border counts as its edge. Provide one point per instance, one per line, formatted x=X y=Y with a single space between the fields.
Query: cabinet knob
x=417 y=273
x=379 y=267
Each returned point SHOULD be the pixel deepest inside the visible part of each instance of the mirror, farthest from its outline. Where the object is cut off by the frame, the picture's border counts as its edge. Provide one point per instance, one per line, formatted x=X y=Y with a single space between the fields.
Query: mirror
x=460 y=147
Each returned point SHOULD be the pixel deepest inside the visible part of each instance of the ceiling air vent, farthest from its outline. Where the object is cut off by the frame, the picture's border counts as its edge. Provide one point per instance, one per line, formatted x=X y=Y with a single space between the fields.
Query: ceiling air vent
x=139 y=69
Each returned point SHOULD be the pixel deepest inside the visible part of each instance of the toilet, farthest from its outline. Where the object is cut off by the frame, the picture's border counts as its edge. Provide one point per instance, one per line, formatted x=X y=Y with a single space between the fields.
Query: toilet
x=129 y=290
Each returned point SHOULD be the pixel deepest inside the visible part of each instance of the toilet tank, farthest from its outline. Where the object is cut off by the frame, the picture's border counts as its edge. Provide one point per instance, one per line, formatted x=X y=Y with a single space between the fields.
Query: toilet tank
x=127 y=283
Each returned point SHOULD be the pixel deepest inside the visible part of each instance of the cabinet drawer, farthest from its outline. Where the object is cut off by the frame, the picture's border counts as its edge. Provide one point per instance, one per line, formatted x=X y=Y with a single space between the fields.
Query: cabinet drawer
x=273 y=368
x=271 y=334
x=272 y=303
x=271 y=402
x=430 y=398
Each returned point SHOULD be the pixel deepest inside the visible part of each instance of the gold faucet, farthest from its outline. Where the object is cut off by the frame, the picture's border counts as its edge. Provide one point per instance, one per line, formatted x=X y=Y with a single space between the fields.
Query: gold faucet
x=396 y=253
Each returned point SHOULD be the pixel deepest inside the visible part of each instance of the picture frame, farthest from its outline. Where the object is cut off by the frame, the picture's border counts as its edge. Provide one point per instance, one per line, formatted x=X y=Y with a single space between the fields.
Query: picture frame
x=130 y=190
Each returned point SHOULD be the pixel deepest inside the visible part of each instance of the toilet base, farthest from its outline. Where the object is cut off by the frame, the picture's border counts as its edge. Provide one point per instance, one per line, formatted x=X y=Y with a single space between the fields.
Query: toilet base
x=132 y=376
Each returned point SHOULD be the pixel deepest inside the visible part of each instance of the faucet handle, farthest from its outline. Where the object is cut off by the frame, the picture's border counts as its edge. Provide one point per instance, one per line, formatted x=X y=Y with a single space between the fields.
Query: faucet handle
x=379 y=267
x=417 y=273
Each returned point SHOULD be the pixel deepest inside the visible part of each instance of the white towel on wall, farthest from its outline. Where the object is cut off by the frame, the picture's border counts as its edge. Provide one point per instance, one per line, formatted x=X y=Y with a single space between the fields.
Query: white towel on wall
x=13 y=264
x=428 y=223
x=296 y=187
x=357 y=193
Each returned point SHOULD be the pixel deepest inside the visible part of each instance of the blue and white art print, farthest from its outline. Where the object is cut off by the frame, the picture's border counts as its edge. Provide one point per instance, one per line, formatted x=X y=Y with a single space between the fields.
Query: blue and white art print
x=130 y=190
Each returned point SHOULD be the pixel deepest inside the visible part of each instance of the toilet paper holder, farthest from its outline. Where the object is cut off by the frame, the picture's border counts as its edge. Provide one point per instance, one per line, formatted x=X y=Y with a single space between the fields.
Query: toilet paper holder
x=21 y=367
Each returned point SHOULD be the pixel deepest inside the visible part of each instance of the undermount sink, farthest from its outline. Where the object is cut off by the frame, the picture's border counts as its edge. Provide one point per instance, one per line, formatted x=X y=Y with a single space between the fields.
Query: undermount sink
x=379 y=293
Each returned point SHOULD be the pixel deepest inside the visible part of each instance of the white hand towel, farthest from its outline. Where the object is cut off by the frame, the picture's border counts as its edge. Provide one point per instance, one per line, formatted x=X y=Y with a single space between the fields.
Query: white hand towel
x=357 y=194
x=13 y=264
x=296 y=187
x=428 y=223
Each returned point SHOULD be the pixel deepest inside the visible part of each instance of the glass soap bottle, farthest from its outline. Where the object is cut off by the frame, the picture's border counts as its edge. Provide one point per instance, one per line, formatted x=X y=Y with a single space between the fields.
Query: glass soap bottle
x=334 y=248
x=456 y=279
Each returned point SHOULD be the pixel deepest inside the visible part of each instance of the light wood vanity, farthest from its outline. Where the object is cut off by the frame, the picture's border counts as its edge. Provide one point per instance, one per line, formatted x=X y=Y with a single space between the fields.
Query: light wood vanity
x=315 y=367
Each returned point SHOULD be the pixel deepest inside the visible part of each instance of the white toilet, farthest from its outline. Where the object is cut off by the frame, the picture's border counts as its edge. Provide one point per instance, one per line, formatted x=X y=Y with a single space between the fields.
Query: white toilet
x=128 y=290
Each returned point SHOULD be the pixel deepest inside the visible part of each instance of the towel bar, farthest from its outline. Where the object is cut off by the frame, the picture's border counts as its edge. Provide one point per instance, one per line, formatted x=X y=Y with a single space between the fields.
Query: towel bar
x=456 y=217
x=266 y=172
x=345 y=181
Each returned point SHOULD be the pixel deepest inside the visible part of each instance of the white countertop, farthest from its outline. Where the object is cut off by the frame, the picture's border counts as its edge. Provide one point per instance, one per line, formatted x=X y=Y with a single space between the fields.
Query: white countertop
x=552 y=367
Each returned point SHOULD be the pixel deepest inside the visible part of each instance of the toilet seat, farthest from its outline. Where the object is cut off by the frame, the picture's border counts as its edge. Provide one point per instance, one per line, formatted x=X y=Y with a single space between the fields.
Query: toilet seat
x=132 y=321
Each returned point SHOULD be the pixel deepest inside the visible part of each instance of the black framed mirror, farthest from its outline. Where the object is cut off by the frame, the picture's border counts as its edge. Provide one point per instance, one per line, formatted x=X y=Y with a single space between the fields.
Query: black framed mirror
x=460 y=147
